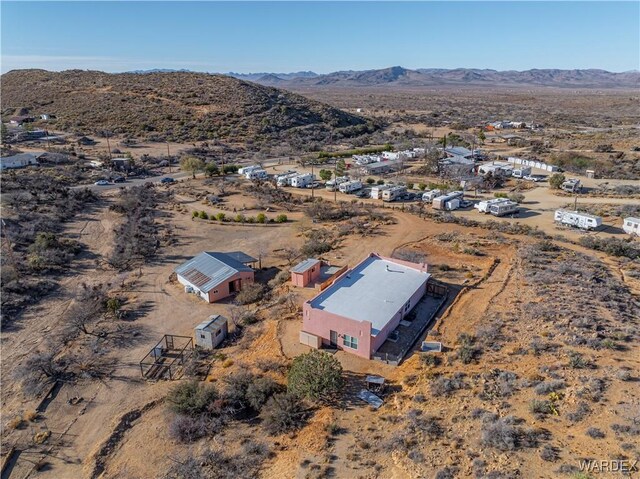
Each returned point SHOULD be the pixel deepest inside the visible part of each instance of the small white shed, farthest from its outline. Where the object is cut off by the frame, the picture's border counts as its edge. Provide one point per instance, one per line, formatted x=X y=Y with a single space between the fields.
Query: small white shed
x=210 y=333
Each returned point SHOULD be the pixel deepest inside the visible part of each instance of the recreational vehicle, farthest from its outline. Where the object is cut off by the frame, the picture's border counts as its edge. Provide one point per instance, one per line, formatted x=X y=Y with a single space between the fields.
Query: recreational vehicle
x=572 y=185
x=485 y=205
x=440 y=202
x=285 y=179
x=504 y=208
x=428 y=196
x=258 y=174
x=576 y=219
x=350 y=186
x=246 y=169
x=376 y=191
x=302 y=180
x=631 y=226
x=521 y=172
x=331 y=184
x=393 y=193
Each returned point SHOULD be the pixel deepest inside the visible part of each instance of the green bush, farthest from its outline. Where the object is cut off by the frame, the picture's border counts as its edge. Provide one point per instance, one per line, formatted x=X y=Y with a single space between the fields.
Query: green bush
x=261 y=218
x=221 y=217
x=195 y=214
x=370 y=181
x=203 y=215
x=380 y=182
x=239 y=218
x=500 y=195
x=282 y=218
x=230 y=168
x=315 y=375
x=192 y=398
x=422 y=186
x=556 y=180
x=409 y=186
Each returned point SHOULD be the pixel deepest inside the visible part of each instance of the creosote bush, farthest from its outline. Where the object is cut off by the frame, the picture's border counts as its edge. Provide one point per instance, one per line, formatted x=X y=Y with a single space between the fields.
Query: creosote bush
x=315 y=375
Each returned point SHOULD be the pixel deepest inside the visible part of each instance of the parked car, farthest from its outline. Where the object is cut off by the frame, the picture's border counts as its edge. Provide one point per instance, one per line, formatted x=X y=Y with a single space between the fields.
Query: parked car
x=465 y=203
x=101 y=183
x=120 y=179
x=167 y=179
x=535 y=178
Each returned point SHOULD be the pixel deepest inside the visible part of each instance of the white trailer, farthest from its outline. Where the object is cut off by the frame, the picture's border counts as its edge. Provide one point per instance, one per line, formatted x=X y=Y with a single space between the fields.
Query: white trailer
x=577 y=219
x=258 y=174
x=332 y=184
x=393 y=193
x=484 y=205
x=428 y=196
x=572 y=185
x=504 y=208
x=631 y=226
x=440 y=202
x=246 y=169
x=285 y=179
x=350 y=186
x=452 y=204
x=377 y=190
x=302 y=180
x=521 y=172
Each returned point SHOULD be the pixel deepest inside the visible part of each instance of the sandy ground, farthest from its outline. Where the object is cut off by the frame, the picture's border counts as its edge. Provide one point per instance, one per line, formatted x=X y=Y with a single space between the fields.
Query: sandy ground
x=145 y=449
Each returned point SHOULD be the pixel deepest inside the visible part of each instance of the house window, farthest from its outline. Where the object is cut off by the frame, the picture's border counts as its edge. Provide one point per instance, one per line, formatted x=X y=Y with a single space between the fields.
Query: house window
x=350 y=341
x=407 y=306
x=218 y=332
x=215 y=291
x=202 y=336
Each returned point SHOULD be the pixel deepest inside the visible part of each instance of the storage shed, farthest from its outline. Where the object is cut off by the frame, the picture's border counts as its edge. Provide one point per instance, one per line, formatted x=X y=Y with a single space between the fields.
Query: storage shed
x=305 y=272
x=210 y=333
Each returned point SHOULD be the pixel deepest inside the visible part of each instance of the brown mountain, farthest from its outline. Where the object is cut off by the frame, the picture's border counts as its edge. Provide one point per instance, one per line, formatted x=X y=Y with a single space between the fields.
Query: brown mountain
x=398 y=76
x=178 y=106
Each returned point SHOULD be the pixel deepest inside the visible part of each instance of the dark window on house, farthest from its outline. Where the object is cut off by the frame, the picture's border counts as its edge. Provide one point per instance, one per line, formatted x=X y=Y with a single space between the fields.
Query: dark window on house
x=218 y=332
x=203 y=336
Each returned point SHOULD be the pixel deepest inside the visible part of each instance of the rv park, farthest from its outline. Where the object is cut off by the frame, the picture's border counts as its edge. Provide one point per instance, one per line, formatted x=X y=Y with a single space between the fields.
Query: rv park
x=479 y=300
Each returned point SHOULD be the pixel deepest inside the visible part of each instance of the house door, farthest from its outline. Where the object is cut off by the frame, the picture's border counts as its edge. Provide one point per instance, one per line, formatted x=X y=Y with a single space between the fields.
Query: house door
x=333 y=339
x=235 y=286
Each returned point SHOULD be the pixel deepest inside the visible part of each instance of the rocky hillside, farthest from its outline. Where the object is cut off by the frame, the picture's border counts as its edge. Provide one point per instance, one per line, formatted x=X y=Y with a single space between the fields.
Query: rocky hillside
x=176 y=106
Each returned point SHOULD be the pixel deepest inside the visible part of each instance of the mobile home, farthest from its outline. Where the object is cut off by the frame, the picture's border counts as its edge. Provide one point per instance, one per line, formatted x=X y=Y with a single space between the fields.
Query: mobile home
x=440 y=202
x=258 y=174
x=285 y=179
x=350 y=186
x=246 y=169
x=631 y=226
x=521 y=172
x=504 y=208
x=302 y=180
x=393 y=193
x=577 y=219
x=331 y=185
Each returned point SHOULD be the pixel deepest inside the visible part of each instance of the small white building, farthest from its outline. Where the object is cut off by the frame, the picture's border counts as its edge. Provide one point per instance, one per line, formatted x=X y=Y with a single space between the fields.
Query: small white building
x=631 y=226
x=20 y=160
x=302 y=180
x=210 y=333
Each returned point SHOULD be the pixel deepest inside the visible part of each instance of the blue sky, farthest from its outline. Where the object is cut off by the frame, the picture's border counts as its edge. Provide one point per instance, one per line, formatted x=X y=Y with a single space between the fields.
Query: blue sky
x=319 y=36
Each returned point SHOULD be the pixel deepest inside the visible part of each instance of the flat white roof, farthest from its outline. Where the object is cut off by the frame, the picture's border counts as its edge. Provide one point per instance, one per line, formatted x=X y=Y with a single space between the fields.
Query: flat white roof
x=375 y=290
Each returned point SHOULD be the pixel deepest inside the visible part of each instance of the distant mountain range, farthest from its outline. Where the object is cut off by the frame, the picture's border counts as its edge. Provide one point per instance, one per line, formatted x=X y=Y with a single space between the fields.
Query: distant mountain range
x=433 y=77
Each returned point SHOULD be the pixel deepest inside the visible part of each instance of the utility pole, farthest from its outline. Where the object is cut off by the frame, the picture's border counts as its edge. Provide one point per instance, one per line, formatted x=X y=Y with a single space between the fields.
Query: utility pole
x=108 y=145
x=313 y=190
x=168 y=157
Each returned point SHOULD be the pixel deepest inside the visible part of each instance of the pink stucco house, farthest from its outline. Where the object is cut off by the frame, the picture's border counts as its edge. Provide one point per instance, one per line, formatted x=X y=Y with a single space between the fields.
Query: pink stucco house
x=306 y=272
x=364 y=305
x=214 y=276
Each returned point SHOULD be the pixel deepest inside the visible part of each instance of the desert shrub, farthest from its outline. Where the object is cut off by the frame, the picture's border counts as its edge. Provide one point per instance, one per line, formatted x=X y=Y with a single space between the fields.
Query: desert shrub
x=612 y=246
x=577 y=361
x=221 y=217
x=449 y=472
x=203 y=215
x=191 y=428
x=250 y=293
x=549 y=453
x=261 y=218
x=517 y=197
x=192 y=398
x=541 y=408
x=281 y=218
x=40 y=370
x=498 y=384
x=547 y=387
x=280 y=278
x=556 y=180
x=592 y=389
x=315 y=247
x=444 y=386
x=315 y=375
x=582 y=410
x=506 y=435
x=284 y=412
x=409 y=255
x=260 y=390
x=467 y=350
x=595 y=433
x=429 y=359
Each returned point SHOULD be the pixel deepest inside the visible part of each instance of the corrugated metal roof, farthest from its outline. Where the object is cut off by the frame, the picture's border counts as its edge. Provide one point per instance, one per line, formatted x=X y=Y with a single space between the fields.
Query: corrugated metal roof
x=208 y=269
x=214 y=322
x=242 y=257
x=303 y=266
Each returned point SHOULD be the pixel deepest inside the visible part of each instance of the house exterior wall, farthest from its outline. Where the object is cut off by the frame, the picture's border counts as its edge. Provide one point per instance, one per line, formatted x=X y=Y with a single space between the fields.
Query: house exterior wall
x=223 y=288
x=220 y=291
x=320 y=323
x=304 y=278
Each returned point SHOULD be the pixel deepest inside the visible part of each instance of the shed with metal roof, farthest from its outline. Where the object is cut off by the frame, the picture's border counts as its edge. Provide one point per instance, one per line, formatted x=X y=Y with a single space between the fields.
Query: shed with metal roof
x=305 y=272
